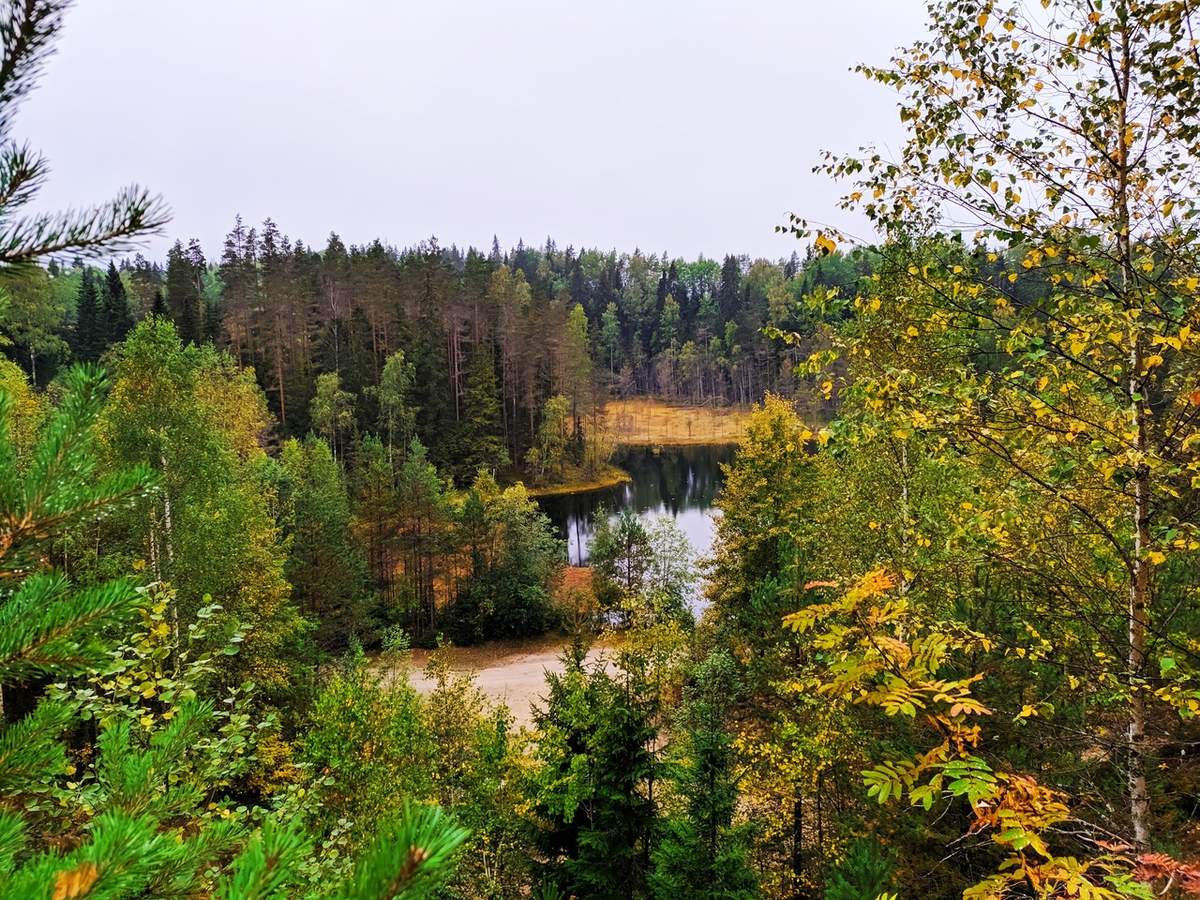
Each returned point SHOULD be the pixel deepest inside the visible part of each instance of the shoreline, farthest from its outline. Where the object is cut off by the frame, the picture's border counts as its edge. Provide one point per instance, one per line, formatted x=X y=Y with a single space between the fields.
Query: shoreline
x=645 y=423
x=620 y=476
x=609 y=479
x=677 y=444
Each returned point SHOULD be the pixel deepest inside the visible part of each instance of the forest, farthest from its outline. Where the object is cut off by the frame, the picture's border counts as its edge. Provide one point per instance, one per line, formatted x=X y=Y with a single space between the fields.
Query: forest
x=481 y=345
x=948 y=644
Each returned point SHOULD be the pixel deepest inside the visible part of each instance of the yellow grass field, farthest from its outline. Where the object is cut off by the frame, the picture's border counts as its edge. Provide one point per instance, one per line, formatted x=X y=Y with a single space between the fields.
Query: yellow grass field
x=642 y=422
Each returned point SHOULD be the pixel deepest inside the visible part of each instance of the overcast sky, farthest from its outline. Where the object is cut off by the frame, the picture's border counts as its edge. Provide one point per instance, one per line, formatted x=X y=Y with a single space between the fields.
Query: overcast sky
x=689 y=127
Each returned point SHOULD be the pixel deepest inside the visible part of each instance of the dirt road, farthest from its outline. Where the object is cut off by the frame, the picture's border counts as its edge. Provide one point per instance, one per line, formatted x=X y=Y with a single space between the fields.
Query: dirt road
x=508 y=672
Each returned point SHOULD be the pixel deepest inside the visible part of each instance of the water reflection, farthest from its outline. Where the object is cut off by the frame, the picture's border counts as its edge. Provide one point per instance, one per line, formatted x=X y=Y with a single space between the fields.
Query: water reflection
x=680 y=481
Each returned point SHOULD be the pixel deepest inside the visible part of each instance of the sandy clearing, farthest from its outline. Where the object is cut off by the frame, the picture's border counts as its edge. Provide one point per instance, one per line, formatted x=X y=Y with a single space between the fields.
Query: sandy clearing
x=514 y=674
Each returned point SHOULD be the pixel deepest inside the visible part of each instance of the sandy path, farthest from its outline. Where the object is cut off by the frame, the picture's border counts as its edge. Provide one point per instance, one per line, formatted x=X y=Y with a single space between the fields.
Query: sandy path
x=510 y=673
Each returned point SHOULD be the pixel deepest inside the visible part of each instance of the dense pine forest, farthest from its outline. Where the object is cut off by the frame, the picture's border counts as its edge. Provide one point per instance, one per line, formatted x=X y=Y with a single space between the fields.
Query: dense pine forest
x=466 y=351
x=948 y=639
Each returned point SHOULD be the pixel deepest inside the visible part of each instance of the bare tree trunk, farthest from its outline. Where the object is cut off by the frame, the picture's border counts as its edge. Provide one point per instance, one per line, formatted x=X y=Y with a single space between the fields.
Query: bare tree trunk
x=1139 y=581
x=279 y=373
x=1139 y=592
x=170 y=559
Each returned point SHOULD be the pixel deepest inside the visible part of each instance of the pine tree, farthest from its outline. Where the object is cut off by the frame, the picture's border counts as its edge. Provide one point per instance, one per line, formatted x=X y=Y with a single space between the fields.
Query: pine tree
x=26 y=40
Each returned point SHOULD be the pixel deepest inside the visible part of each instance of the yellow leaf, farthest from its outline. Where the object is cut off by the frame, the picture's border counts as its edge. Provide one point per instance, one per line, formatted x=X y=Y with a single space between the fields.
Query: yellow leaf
x=824 y=243
x=1156 y=557
x=983 y=20
x=75 y=882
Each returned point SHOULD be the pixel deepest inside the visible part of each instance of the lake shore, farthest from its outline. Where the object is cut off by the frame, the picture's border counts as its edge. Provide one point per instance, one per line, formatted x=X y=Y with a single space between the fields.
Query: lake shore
x=609 y=476
x=644 y=423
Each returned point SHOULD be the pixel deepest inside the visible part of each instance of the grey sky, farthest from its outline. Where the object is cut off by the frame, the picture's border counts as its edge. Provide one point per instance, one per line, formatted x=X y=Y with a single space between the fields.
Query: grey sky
x=689 y=127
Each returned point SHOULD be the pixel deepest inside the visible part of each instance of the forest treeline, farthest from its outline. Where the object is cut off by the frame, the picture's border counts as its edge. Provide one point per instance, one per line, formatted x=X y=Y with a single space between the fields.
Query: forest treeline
x=482 y=345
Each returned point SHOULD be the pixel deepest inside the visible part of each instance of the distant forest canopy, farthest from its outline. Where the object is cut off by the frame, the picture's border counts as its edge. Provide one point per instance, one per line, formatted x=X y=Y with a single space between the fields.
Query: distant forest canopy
x=483 y=343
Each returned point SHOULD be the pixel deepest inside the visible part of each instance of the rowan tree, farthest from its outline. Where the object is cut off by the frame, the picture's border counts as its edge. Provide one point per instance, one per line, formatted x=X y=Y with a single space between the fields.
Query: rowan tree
x=1052 y=335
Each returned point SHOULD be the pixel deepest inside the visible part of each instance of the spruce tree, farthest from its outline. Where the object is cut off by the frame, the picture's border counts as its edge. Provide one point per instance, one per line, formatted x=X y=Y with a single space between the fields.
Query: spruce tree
x=729 y=290
x=210 y=323
x=591 y=794
x=159 y=308
x=182 y=294
x=188 y=322
x=115 y=318
x=87 y=342
x=479 y=442
x=703 y=855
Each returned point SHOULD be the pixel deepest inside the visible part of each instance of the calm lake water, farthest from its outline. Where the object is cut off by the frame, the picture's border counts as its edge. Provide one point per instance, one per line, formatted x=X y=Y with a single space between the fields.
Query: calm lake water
x=681 y=482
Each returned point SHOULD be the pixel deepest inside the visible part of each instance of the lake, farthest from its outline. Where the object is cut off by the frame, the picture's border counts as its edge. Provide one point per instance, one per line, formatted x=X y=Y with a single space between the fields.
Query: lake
x=678 y=481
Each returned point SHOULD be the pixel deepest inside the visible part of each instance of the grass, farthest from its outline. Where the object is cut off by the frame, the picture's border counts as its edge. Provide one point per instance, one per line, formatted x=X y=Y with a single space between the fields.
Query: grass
x=576 y=481
x=643 y=422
